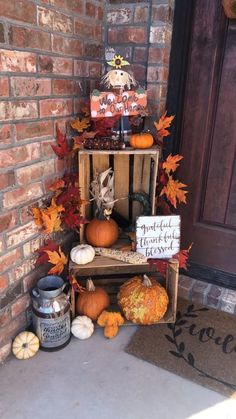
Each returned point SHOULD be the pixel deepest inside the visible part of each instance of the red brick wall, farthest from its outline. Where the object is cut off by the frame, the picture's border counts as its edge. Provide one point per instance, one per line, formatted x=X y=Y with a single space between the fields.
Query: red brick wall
x=141 y=31
x=50 y=57
x=51 y=54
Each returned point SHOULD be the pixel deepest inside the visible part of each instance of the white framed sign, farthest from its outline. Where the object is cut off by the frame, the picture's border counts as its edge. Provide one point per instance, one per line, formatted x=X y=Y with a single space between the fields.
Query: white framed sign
x=158 y=237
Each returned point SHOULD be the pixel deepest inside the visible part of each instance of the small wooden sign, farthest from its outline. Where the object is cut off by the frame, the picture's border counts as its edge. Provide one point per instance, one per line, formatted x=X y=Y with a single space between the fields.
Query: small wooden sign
x=158 y=237
x=105 y=104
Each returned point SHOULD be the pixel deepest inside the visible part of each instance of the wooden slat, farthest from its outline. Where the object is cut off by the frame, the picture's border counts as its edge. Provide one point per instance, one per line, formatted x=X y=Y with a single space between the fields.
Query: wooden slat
x=84 y=182
x=172 y=277
x=145 y=174
x=127 y=150
x=121 y=169
x=137 y=185
x=105 y=266
x=100 y=163
x=154 y=183
x=141 y=180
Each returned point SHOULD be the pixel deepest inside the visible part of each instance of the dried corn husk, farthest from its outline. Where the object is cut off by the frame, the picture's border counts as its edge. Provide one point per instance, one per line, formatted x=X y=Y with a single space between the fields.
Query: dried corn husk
x=134 y=258
x=102 y=191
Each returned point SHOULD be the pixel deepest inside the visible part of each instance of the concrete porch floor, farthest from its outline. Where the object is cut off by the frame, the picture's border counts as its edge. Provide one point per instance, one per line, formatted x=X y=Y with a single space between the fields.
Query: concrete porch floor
x=96 y=379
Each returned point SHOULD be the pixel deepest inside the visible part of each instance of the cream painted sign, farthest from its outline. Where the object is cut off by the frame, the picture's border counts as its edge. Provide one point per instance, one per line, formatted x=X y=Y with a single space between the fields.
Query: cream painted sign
x=158 y=237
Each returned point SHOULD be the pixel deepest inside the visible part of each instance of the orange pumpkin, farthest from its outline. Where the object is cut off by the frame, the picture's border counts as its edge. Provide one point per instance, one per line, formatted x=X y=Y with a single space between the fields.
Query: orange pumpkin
x=102 y=233
x=142 y=140
x=92 y=302
x=143 y=300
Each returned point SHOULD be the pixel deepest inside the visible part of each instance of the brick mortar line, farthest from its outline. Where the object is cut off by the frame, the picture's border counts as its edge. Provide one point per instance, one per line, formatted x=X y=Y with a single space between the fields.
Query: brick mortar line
x=53 y=96
x=53 y=117
x=44 y=118
x=25 y=165
x=51 y=76
x=69 y=12
x=8 y=22
x=28 y=204
x=128 y=24
x=22 y=243
x=49 y=53
x=122 y=5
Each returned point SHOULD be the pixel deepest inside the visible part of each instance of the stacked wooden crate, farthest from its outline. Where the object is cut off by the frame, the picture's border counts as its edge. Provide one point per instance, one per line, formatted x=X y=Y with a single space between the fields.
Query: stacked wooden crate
x=134 y=171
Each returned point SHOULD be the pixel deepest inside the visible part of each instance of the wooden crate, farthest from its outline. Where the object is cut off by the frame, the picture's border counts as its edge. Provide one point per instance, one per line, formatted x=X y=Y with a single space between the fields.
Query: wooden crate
x=134 y=171
x=110 y=274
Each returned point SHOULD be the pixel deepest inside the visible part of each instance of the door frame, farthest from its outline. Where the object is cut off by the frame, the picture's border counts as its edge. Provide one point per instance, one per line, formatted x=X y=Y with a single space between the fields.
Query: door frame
x=181 y=39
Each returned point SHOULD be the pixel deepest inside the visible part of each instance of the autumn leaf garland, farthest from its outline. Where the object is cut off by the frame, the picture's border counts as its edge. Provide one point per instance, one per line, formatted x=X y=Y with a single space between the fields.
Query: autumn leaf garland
x=62 y=212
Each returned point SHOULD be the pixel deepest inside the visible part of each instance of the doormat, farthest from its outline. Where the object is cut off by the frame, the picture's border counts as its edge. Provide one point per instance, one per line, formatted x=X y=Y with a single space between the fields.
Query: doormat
x=199 y=346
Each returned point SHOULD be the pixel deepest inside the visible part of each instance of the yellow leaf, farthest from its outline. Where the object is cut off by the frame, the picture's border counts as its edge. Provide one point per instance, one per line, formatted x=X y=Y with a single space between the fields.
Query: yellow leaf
x=80 y=125
x=37 y=215
x=171 y=163
x=58 y=259
x=174 y=192
x=51 y=217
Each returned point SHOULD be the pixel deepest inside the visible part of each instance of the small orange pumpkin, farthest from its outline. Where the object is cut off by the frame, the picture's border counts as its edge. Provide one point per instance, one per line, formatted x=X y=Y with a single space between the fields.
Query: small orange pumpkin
x=142 y=140
x=92 y=301
x=102 y=233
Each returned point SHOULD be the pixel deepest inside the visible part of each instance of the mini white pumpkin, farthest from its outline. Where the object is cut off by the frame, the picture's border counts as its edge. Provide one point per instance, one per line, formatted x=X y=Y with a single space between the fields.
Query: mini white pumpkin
x=82 y=327
x=82 y=254
x=25 y=345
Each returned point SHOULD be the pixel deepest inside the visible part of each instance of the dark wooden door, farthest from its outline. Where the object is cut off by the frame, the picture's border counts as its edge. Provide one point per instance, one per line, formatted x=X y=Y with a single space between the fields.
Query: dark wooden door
x=208 y=139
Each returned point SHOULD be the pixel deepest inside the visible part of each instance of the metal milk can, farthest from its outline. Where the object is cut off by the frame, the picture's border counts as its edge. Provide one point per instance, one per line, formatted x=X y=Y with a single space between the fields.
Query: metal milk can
x=51 y=313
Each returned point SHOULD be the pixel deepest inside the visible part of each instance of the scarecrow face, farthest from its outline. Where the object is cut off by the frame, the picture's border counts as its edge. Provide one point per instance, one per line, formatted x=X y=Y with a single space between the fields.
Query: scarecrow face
x=118 y=78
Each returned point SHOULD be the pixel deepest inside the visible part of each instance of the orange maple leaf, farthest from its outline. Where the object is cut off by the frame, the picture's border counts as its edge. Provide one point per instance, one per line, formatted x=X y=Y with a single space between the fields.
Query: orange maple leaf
x=163 y=123
x=171 y=163
x=80 y=125
x=174 y=192
x=58 y=259
x=51 y=220
x=37 y=216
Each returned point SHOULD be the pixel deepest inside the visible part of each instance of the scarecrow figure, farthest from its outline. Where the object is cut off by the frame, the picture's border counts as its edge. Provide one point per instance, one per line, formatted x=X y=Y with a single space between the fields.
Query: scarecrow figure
x=118 y=78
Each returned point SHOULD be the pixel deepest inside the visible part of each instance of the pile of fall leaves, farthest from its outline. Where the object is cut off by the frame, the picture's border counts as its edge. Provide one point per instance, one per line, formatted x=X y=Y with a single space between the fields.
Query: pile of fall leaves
x=63 y=213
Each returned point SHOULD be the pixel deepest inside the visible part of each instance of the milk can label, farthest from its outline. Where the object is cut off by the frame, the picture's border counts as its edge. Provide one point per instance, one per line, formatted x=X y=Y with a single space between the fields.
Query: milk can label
x=56 y=330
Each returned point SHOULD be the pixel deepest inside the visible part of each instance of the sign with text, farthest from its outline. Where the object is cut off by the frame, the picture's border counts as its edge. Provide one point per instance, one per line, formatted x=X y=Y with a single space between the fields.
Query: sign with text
x=105 y=104
x=158 y=237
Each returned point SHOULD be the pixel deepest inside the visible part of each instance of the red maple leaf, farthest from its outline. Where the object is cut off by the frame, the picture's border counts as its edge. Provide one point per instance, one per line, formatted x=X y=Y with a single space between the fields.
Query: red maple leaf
x=73 y=219
x=183 y=256
x=61 y=149
x=43 y=257
x=103 y=126
x=159 y=264
x=69 y=195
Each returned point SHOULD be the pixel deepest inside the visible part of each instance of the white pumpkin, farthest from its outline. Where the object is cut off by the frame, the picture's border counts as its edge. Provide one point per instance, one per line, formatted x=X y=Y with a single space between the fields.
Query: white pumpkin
x=25 y=345
x=82 y=327
x=82 y=254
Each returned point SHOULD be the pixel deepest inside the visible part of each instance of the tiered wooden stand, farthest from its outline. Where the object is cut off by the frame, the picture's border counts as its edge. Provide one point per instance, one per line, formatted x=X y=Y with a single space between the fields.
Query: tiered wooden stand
x=134 y=171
